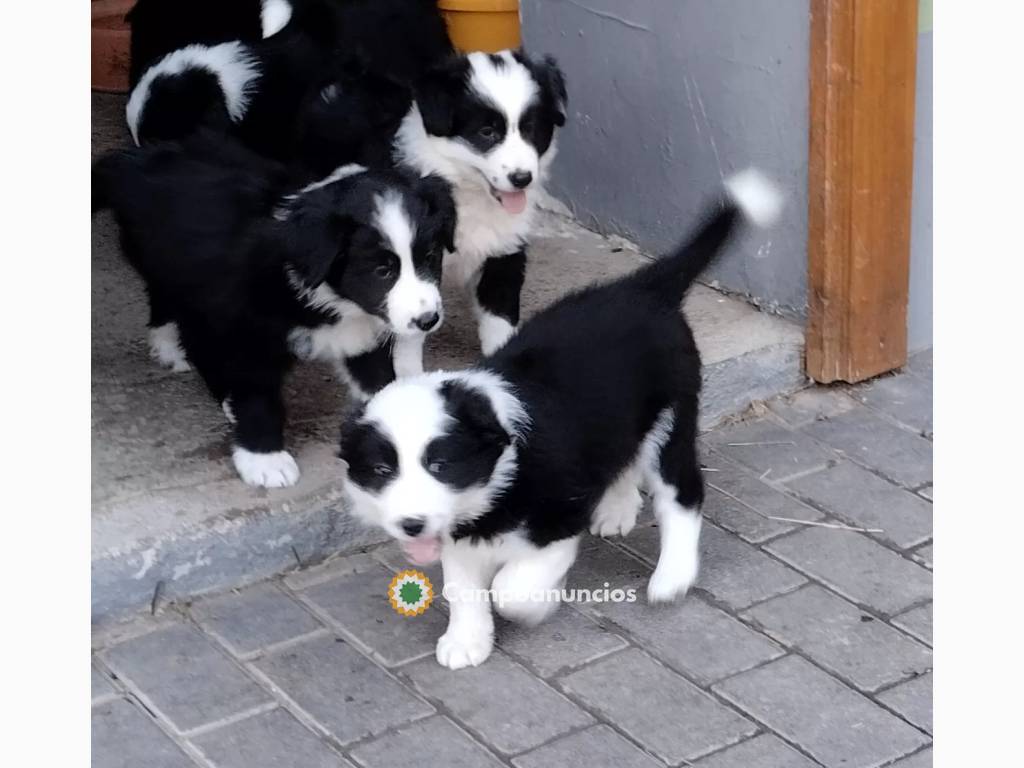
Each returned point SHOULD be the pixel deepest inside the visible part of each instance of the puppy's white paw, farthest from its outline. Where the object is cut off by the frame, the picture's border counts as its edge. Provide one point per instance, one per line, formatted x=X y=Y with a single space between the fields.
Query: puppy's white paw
x=457 y=649
x=671 y=580
x=165 y=348
x=616 y=514
x=266 y=470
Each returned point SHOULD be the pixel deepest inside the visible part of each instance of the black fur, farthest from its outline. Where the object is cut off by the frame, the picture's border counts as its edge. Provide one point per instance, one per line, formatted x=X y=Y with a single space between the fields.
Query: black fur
x=501 y=282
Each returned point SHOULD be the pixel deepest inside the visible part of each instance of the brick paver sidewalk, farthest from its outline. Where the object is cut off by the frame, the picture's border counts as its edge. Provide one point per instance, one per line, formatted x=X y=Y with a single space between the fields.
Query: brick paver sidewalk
x=802 y=644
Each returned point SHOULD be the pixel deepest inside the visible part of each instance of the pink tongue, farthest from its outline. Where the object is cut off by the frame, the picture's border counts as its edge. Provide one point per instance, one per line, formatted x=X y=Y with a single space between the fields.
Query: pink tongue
x=424 y=550
x=513 y=202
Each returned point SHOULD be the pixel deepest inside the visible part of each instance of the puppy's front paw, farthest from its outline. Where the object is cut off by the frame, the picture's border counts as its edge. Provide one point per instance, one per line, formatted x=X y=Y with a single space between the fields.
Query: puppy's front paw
x=266 y=470
x=671 y=580
x=300 y=342
x=457 y=649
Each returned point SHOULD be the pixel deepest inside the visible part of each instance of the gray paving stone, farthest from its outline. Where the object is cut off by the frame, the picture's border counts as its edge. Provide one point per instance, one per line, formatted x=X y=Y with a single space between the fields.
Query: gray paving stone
x=921 y=363
x=907 y=399
x=855 y=566
x=861 y=498
x=764 y=751
x=566 y=640
x=599 y=562
x=184 y=676
x=124 y=737
x=358 y=602
x=918 y=622
x=525 y=715
x=597 y=747
x=922 y=759
x=731 y=570
x=269 y=740
x=811 y=404
x=431 y=742
x=913 y=700
x=102 y=688
x=924 y=555
x=343 y=690
x=693 y=637
x=766 y=447
x=876 y=443
x=831 y=722
x=837 y=635
x=741 y=503
x=667 y=714
x=253 y=618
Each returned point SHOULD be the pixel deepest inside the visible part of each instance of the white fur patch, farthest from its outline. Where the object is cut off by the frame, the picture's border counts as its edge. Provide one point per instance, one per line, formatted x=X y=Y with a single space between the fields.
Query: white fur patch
x=411 y=296
x=165 y=347
x=494 y=331
x=266 y=470
x=759 y=198
x=234 y=65
x=282 y=211
x=274 y=15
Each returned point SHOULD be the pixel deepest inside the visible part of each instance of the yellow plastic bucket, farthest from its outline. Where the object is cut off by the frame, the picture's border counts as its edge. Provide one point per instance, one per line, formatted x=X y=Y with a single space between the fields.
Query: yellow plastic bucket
x=482 y=25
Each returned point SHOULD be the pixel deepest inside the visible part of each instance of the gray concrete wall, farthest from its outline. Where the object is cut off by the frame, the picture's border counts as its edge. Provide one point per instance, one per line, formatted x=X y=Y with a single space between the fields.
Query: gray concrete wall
x=919 y=311
x=666 y=98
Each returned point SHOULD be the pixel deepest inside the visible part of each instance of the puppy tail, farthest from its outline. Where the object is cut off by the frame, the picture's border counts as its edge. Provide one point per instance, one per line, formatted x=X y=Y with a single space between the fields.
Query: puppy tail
x=750 y=194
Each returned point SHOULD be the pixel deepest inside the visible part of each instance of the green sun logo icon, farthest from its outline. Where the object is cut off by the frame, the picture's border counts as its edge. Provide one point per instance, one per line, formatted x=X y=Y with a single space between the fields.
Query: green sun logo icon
x=410 y=593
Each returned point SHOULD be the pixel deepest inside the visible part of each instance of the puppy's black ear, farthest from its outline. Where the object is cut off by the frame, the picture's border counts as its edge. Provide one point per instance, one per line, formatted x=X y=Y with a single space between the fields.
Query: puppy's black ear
x=473 y=411
x=438 y=195
x=311 y=238
x=436 y=93
x=549 y=77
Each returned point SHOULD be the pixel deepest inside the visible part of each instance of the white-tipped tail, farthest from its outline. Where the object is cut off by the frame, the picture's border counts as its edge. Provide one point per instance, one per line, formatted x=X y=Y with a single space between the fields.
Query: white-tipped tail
x=756 y=196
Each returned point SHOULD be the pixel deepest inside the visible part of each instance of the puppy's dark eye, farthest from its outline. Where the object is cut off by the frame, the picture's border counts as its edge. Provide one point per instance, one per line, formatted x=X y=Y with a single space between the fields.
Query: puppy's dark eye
x=437 y=466
x=527 y=126
x=383 y=470
x=488 y=132
x=384 y=271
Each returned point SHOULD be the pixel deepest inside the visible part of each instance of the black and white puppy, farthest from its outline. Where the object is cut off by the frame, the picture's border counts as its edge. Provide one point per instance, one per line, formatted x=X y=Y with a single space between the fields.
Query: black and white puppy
x=486 y=123
x=252 y=89
x=253 y=272
x=499 y=469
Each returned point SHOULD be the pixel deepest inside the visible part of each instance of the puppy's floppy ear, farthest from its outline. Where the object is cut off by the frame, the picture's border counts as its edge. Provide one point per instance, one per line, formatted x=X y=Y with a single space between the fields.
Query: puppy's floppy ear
x=473 y=411
x=552 y=82
x=311 y=238
x=438 y=195
x=435 y=93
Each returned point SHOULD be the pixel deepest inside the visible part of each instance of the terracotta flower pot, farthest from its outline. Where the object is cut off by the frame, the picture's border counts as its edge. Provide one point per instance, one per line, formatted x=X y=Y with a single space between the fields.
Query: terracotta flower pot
x=482 y=25
x=111 y=40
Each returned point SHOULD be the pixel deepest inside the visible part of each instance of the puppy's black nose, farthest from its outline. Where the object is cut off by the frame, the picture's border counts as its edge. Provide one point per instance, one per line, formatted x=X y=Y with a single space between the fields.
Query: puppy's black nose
x=413 y=525
x=520 y=179
x=427 y=320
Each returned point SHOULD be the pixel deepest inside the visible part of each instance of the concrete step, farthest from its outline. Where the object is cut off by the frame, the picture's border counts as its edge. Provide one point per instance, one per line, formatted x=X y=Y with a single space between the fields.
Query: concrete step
x=170 y=516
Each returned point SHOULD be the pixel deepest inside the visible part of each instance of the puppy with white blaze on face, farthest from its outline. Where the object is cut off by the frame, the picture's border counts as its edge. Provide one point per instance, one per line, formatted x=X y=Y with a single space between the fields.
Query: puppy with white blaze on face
x=486 y=123
x=499 y=469
x=248 y=271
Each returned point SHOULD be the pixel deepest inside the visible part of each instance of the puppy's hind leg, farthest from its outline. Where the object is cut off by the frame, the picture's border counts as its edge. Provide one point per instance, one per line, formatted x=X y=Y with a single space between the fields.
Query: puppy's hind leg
x=672 y=474
x=259 y=454
x=496 y=299
x=616 y=513
x=164 y=339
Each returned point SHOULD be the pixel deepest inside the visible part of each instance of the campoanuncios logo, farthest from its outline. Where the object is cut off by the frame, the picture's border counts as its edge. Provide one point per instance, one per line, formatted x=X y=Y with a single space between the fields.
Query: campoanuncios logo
x=410 y=593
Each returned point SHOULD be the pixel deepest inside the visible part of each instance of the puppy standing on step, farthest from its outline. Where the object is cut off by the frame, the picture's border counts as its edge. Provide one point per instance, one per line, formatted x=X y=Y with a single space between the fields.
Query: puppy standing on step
x=255 y=273
x=498 y=470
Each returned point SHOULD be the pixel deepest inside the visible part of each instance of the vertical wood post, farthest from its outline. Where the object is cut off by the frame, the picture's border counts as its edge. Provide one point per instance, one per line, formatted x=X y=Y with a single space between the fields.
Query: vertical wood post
x=863 y=59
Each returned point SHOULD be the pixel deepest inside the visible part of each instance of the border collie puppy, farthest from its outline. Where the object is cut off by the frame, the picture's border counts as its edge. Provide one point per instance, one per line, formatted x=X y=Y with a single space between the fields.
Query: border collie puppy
x=161 y=26
x=253 y=273
x=498 y=470
x=486 y=123
x=251 y=89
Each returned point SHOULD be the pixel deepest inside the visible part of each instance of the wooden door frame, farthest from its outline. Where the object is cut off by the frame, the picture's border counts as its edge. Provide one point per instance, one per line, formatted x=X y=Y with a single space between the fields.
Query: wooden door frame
x=860 y=177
